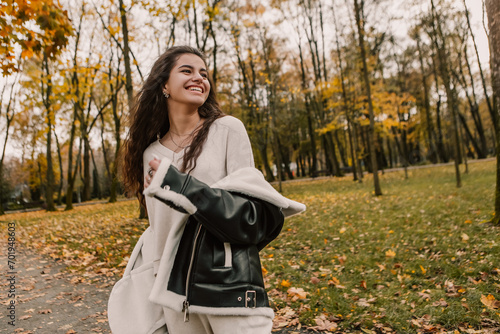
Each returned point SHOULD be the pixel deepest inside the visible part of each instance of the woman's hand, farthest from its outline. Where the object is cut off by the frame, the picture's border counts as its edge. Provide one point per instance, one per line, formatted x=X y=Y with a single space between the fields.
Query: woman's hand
x=153 y=166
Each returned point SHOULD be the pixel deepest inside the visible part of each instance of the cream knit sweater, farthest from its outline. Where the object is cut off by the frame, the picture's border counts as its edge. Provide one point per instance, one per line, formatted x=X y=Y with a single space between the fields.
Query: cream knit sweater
x=226 y=150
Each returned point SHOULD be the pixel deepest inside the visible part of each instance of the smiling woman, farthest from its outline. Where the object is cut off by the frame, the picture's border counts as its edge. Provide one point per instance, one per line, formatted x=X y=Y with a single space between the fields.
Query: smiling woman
x=196 y=269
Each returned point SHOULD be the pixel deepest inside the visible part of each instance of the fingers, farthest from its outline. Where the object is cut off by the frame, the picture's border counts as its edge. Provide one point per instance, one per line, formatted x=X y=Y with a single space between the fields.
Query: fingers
x=153 y=166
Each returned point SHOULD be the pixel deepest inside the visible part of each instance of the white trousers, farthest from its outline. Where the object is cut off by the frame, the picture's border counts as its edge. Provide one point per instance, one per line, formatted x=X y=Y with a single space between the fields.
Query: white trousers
x=216 y=324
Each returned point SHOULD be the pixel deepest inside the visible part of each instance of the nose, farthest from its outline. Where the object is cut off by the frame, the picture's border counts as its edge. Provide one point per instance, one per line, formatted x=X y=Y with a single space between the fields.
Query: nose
x=197 y=77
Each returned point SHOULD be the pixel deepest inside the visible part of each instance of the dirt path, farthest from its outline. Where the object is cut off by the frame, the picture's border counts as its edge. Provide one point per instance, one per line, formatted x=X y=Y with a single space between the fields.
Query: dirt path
x=51 y=300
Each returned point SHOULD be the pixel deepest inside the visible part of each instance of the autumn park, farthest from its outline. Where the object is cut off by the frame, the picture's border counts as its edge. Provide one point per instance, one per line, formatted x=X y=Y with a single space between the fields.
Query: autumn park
x=382 y=117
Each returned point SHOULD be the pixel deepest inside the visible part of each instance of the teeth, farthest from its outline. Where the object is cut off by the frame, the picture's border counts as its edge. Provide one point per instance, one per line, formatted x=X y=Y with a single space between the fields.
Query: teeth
x=196 y=89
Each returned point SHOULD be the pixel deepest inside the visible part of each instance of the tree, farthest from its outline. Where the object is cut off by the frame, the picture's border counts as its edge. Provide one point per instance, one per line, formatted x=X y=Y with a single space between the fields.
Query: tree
x=126 y=55
x=77 y=105
x=451 y=94
x=493 y=9
x=111 y=93
x=353 y=141
x=361 y=33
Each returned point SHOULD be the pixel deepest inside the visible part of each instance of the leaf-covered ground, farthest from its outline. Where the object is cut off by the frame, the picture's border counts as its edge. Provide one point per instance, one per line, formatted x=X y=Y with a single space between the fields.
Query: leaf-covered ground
x=419 y=259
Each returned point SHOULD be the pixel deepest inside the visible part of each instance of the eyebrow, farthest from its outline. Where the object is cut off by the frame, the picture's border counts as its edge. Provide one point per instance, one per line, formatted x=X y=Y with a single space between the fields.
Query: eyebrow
x=191 y=67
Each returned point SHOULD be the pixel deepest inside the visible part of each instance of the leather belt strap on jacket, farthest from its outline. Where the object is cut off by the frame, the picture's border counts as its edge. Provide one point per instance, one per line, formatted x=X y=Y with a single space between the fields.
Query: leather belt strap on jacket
x=246 y=299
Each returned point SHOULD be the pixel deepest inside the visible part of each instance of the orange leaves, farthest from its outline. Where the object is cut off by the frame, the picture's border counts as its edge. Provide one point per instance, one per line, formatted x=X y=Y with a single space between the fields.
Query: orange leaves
x=17 y=25
x=264 y=271
x=424 y=271
x=440 y=302
x=286 y=283
x=28 y=53
x=285 y=317
x=96 y=239
x=297 y=293
x=315 y=280
x=336 y=283
x=490 y=302
x=390 y=253
x=363 y=302
x=324 y=324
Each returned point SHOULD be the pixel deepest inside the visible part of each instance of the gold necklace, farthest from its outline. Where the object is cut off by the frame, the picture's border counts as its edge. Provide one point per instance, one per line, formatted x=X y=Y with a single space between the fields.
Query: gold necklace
x=178 y=146
x=189 y=134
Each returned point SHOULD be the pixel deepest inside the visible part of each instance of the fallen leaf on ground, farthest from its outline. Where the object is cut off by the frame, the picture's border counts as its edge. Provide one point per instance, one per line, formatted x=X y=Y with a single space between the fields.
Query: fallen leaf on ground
x=490 y=302
x=390 y=253
x=285 y=283
x=297 y=293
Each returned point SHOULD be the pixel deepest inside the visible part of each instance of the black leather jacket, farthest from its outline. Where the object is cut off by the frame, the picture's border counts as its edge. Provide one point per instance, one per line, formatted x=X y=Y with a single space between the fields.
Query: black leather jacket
x=217 y=263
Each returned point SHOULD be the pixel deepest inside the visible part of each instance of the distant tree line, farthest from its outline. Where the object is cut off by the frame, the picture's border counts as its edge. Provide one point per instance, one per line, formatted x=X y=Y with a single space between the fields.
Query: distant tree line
x=323 y=87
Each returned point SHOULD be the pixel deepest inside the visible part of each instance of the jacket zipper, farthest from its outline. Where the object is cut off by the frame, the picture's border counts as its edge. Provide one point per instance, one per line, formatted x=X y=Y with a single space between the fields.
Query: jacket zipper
x=185 y=304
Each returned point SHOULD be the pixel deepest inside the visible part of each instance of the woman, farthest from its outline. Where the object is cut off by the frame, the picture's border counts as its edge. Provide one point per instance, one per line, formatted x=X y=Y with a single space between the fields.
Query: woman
x=210 y=211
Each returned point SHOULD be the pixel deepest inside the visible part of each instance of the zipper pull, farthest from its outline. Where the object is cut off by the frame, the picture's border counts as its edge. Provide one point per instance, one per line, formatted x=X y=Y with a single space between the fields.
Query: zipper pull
x=185 y=309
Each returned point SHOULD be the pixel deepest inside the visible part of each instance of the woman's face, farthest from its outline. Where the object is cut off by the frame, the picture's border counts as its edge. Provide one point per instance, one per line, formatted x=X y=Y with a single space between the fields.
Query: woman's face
x=188 y=82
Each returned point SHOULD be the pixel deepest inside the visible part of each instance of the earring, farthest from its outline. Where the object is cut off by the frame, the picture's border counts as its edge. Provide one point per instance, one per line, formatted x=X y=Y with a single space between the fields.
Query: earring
x=167 y=95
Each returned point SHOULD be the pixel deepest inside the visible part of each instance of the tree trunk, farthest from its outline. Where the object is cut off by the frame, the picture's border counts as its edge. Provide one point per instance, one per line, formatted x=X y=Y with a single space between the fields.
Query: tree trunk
x=427 y=108
x=9 y=116
x=86 y=171
x=49 y=190
x=333 y=154
x=338 y=143
x=70 y=175
x=128 y=75
x=480 y=147
x=114 y=168
x=126 y=55
x=352 y=139
x=356 y=132
x=314 y=166
x=463 y=120
x=493 y=9
x=450 y=92
x=492 y=108
x=371 y=133
x=262 y=148
x=61 y=172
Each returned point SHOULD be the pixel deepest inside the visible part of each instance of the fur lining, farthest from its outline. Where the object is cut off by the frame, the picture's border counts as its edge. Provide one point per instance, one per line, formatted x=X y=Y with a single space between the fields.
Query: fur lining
x=155 y=189
x=177 y=200
x=250 y=181
x=175 y=302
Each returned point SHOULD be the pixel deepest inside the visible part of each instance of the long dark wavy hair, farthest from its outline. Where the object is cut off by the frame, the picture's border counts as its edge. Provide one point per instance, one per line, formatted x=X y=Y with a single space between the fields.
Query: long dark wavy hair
x=149 y=118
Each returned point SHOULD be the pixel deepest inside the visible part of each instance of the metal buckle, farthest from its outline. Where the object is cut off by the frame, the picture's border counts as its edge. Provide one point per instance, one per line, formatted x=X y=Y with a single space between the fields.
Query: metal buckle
x=249 y=298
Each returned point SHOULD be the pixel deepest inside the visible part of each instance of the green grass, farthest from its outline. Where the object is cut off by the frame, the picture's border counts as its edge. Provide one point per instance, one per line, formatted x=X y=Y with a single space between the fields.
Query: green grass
x=419 y=257
x=441 y=247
